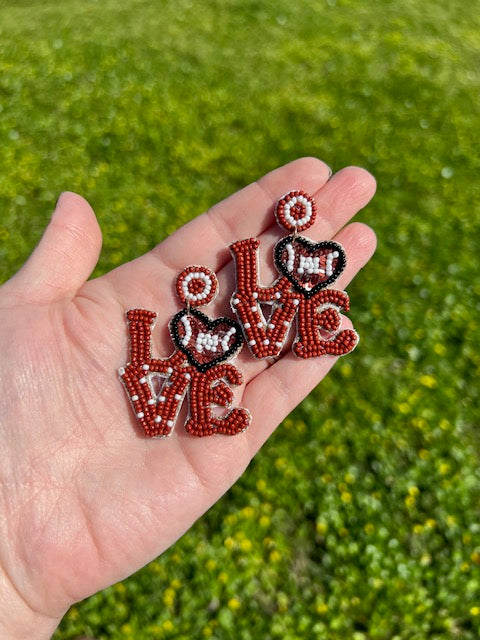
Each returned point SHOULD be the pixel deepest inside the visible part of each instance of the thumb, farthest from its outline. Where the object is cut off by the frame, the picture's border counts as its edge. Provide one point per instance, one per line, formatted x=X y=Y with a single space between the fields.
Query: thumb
x=65 y=256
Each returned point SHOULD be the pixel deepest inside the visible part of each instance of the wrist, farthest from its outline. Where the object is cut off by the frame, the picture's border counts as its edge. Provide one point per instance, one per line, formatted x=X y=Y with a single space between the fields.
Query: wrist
x=18 y=620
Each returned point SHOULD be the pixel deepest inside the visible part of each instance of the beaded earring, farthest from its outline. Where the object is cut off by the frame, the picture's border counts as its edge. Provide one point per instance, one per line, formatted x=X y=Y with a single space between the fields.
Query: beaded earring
x=306 y=269
x=198 y=367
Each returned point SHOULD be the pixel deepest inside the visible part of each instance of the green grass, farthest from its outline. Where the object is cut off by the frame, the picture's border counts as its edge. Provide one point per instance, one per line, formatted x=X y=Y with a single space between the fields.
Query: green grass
x=155 y=110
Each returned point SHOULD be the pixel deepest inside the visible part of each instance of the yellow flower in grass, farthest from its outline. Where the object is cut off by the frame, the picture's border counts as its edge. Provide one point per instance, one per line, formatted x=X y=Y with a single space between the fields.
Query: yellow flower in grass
x=261 y=485
x=169 y=597
x=410 y=501
x=321 y=608
x=264 y=521
x=425 y=560
x=222 y=577
x=246 y=545
x=322 y=527
x=230 y=519
x=300 y=426
x=234 y=604
x=440 y=349
x=275 y=556
x=229 y=542
x=428 y=381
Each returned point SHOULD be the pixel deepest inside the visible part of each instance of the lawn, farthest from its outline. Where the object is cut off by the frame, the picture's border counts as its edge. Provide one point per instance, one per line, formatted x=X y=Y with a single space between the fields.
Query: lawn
x=360 y=518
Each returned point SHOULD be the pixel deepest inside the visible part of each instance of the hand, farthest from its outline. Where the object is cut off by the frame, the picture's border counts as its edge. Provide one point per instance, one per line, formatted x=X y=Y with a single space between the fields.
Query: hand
x=86 y=500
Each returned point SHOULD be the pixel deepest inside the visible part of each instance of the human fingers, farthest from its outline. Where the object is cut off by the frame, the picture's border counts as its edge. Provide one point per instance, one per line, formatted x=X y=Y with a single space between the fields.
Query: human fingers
x=205 y=239
x=338 y=200
x=63 y=259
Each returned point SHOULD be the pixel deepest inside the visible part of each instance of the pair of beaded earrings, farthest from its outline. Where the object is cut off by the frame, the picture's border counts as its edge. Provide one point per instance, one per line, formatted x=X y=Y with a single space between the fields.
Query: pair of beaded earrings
x=200 y=366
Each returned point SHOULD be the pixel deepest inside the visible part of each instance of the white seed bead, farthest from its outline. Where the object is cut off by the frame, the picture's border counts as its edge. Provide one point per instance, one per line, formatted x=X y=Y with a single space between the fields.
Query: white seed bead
x=247 y=325
x=140 y=415
x=134 y=398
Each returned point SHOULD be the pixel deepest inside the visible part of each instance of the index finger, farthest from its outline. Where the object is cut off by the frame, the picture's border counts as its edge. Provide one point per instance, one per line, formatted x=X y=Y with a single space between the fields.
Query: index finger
x=248 y=212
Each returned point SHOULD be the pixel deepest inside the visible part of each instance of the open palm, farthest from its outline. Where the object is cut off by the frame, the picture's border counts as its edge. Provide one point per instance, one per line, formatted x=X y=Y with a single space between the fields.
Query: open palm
x=87 y=499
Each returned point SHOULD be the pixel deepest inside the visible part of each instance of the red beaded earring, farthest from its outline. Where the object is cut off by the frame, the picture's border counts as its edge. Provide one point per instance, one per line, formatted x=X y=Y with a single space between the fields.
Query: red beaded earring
x=157 y=387
x=306 y=269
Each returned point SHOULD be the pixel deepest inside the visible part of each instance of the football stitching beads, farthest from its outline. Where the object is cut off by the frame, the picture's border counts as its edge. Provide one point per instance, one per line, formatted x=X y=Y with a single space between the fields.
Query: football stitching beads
x=306 y=269
x=198 y=368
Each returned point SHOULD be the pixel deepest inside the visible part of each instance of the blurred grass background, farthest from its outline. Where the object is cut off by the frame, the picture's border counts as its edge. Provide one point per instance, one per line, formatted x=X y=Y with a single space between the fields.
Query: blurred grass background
x=360 y=517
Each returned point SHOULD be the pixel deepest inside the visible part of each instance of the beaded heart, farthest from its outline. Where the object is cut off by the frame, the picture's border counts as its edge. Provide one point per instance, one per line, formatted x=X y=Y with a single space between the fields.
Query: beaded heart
x=310 y=266
x=306 y=269
x=198 y=367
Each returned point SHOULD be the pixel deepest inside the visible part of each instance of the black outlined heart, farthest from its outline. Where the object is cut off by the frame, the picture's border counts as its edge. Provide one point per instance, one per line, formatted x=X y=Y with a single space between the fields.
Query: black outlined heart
x=205 y=342
x=310 y=266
